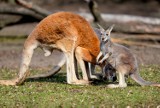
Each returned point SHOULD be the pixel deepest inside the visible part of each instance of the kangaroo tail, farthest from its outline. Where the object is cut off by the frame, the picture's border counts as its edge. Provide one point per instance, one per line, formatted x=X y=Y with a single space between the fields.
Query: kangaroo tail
x=50 y=73
x=136 y=77
x=53 y=71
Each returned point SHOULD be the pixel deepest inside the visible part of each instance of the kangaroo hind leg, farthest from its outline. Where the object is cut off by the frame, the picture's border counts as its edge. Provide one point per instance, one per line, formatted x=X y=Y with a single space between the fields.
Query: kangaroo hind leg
x=72 y=70
x=82 y=63
x=122 y=83
x=85 y=66
x=27 y=53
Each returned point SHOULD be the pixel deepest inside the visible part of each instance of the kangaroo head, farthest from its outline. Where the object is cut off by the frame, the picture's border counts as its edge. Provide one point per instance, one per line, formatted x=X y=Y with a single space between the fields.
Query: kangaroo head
x=105 y=34
x=105 y=40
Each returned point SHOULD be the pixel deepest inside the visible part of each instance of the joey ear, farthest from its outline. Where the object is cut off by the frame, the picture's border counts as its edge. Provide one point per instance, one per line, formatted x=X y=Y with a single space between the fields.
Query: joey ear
x=101 y=28
x=108 y=31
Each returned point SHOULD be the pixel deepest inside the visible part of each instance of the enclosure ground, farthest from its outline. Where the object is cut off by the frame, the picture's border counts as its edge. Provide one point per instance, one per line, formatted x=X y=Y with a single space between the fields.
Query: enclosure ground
x=54 y=92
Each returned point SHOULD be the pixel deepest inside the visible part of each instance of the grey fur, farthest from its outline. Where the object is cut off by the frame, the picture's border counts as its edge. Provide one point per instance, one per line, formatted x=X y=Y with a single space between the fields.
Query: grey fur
x=122 y=60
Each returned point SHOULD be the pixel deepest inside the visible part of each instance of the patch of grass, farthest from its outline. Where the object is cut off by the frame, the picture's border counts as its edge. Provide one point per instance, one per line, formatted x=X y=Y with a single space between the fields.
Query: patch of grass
x=55 y=92
x=12 y=39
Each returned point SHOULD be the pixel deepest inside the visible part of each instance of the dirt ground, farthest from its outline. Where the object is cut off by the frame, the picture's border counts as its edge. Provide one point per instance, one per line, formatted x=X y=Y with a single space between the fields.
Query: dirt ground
x=10 y=50
x=10 y=55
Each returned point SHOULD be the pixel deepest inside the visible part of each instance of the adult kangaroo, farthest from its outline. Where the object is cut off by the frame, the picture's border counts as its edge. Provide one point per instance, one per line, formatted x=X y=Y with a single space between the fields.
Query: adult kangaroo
x=62 y=60
x=64 y=31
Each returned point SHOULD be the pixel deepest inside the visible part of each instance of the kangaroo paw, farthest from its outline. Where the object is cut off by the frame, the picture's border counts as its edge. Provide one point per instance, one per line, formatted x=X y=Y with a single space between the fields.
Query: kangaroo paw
x=96 y=76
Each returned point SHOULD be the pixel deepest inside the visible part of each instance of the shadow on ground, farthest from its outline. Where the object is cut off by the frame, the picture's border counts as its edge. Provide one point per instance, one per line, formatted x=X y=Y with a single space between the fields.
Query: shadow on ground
x=58 y=78
x=61 y=78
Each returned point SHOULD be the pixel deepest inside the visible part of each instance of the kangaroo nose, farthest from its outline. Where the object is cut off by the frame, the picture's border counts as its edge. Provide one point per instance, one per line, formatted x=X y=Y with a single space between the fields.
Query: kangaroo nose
x=114 y=78
x=103 y=39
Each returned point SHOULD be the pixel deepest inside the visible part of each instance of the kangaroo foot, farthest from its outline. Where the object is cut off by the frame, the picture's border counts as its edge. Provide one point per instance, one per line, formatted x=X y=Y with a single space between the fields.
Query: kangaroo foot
x=116 y=85
x=16 y=81
x=81 y=82
x=156 y=85
x=9 y=82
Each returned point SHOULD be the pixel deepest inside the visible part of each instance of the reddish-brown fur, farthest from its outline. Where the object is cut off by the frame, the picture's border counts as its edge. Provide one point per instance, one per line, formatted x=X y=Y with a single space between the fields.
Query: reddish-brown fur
x=68 y=32
x=57 y=26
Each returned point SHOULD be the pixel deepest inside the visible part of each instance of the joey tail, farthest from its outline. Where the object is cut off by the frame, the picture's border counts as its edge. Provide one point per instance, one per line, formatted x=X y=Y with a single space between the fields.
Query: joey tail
x=136 y=77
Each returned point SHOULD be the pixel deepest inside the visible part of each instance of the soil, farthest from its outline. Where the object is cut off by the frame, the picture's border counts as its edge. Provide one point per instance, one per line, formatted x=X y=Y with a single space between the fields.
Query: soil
x=11 y=51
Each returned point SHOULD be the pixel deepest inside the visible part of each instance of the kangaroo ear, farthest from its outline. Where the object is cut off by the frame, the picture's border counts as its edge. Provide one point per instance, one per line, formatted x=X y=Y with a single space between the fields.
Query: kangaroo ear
x=108 y=31
x=101 y=28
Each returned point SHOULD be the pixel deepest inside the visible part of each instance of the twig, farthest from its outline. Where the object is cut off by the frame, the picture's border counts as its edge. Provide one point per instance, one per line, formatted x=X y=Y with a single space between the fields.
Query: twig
x=33 y=7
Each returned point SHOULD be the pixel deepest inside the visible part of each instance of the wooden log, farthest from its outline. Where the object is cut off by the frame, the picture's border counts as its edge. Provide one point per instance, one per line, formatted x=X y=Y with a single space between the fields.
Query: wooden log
x=123 y=23
x=146 y=44
x=22 y=12
x=142 y=37
x=136 y=26
x=122 y=18
x=126 y=23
